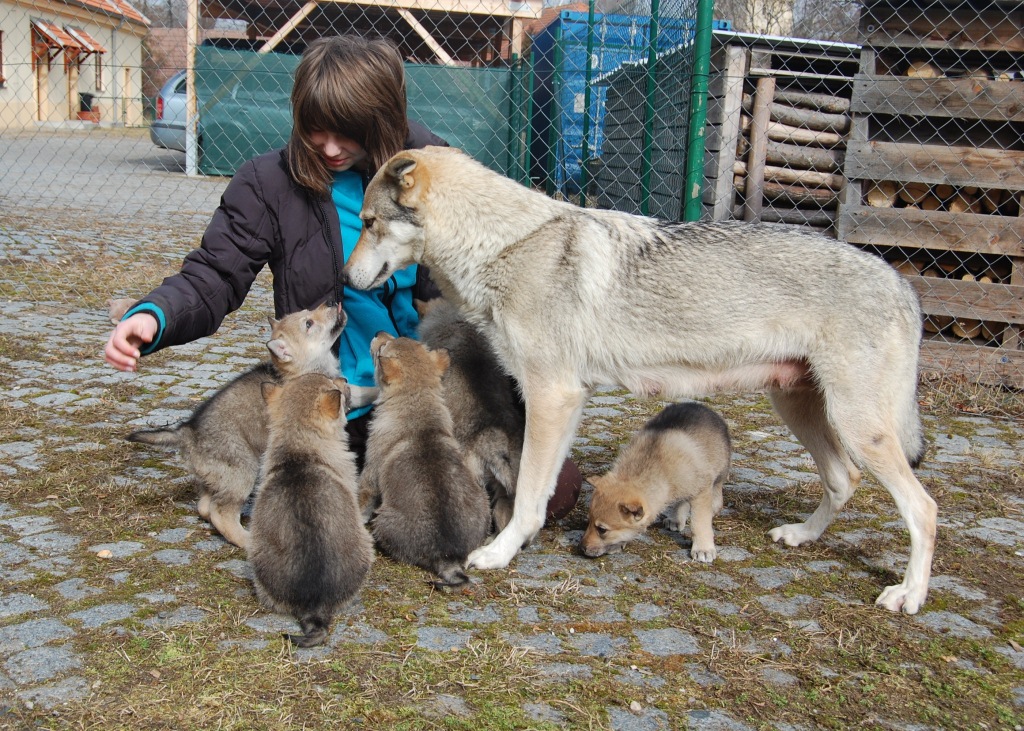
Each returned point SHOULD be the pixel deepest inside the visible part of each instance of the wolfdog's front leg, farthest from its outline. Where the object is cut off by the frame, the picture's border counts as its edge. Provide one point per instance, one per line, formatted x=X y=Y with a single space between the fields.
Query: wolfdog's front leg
x=552 y=414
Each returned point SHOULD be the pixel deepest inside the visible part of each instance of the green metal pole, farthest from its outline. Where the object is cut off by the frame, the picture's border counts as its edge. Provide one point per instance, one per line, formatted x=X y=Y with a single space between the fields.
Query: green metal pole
x=698 y=111
x=645 y=163
x=585 y=151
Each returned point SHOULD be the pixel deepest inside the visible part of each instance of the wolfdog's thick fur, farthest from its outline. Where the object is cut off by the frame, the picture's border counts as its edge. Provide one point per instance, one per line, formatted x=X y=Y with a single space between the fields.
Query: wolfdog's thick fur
x=309 y=550
x=426 y=508
x=222 y=441
x=574 y=298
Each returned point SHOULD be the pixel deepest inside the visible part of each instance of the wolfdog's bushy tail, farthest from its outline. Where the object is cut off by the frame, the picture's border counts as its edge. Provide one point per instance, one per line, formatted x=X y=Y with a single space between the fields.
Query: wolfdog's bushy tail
x=314 y=630
x=451 y=574
x=171 y=436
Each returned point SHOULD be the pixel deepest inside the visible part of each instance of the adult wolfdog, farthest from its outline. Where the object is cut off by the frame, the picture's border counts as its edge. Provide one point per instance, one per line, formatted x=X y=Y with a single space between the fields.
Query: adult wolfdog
x=573 y=298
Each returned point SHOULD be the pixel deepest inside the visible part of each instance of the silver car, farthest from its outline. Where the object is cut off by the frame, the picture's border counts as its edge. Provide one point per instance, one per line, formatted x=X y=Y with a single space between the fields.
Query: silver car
x=168 y=129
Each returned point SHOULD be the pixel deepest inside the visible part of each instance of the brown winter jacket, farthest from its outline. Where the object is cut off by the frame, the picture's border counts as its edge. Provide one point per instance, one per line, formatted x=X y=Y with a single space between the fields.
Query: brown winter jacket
x=263 y=218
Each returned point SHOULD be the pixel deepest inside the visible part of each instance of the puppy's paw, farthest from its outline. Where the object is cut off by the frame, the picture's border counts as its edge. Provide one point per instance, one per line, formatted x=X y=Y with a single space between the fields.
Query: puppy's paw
x=898 y=598
x=793 y=534
x=671 y=524
x=706 y=555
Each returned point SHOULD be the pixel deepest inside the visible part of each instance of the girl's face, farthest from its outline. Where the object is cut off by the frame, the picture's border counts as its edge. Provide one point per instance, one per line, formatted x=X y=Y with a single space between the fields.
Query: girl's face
x=339 y=153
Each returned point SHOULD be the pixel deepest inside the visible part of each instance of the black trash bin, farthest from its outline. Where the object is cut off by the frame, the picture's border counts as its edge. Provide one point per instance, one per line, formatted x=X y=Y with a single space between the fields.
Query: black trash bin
x=85 y=101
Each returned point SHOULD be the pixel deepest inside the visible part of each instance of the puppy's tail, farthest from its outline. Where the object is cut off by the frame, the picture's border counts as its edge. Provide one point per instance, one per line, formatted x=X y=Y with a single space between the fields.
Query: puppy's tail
x=171 y=436
x=451 y=574
x=314 y=630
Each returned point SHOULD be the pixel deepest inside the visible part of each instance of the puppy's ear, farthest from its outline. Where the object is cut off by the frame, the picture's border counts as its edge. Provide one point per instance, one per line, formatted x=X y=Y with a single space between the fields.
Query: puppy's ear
x=390 y=371
x=272 y=321
x=330 y=403
x=271 y=391
x=279 y=349
x=343 y=387
x=441 y=359
x=632 y=510
x=400 y=168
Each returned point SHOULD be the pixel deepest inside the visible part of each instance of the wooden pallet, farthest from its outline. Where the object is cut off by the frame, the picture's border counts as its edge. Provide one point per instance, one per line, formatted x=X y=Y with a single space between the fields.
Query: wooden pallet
x=942 y=200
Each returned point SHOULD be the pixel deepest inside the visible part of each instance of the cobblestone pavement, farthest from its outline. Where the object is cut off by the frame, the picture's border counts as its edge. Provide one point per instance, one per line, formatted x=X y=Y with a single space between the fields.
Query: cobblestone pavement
x=101 y=553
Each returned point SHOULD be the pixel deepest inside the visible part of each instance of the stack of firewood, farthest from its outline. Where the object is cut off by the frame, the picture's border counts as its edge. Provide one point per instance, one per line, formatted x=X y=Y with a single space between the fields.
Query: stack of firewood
x=968 y=199
x=960 y=327
x=790 y=155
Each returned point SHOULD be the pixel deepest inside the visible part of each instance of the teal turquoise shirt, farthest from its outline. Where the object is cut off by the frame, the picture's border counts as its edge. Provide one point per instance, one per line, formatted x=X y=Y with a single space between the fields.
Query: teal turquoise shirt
x=387 y=308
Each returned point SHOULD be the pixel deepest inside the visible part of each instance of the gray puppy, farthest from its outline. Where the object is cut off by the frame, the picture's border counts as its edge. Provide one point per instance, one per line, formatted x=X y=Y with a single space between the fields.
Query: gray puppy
x=222 y=441
x=309 y=550
x=487 y=412
x=430 y=512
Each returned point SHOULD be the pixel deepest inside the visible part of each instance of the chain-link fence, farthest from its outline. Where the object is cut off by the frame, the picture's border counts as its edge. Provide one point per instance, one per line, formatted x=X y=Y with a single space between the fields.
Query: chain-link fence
x=896 y=125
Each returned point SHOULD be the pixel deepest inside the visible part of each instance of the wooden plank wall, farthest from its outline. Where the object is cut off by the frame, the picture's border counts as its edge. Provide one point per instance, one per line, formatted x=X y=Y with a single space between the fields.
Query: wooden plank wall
x=935 y=170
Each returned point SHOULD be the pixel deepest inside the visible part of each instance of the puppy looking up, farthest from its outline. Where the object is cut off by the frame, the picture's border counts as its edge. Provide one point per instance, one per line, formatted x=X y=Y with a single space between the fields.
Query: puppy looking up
x=222 y=441
x=676 y=464
x=309 y=550
x=430 y=512
x=488 y=415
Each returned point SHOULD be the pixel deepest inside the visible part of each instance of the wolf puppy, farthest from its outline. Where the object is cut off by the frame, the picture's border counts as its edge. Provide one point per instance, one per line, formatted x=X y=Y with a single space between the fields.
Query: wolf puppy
x=222 y=442
x=486 y=412
x=676 y=464
x=309 y=550
x=572 y=298
x=430 y=512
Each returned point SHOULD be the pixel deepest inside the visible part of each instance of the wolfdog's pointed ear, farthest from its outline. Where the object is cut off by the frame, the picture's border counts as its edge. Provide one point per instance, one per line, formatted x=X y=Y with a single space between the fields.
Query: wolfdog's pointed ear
x=390 y=371
x=272 y=321
x=441 y=359
x=271 y=391
x=343 y=386
x=400 y=168
x=330 y=403
x=279 y=349
x=632 y=510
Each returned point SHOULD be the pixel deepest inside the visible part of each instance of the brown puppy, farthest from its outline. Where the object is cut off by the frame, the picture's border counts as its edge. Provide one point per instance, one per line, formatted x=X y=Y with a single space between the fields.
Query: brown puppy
x=430 y=511
x=309 y=550
x=222 y=441
x=678 y=464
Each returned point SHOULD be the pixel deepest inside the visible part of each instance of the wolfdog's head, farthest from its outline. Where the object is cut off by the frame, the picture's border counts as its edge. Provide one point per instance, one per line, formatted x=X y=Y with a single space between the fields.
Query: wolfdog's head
x=618 y=513
x=392 y=234
x=303 y=342
x=403 y=364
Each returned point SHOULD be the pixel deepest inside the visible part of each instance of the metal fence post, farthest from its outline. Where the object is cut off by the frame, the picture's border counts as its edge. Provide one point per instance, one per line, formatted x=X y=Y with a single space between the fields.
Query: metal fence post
x=698 y=112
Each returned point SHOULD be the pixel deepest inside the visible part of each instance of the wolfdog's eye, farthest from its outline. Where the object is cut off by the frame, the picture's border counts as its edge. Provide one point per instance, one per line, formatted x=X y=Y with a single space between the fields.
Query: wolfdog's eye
x=601 y=530
x=368 y=222
x=309 y=324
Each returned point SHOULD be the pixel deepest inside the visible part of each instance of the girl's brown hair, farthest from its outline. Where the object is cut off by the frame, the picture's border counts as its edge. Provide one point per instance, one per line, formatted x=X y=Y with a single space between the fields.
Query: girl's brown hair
x=351 y=86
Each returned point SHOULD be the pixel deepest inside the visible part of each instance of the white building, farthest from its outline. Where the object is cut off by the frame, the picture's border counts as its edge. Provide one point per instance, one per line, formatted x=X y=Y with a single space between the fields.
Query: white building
x=69 y=60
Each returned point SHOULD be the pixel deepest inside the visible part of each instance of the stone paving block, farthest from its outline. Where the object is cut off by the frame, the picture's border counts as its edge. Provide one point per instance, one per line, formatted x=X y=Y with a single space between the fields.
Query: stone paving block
x=645 y=719
x=543 y=713
x=103 y=614
x=667 y=642
x=41 y=663
x=33 y=633
x=14 y=604
x=442 y=639
x=952 y=623
x=176 y=618
x=596 y=644
x=54 y=694
x=52 y=542
x=75 y=589
x=547 y=644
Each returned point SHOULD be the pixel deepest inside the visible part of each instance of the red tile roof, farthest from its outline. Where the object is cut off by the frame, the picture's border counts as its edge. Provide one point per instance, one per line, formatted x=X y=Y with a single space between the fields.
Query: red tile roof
x=54 y=36
x=120 y=8
x=85 y=41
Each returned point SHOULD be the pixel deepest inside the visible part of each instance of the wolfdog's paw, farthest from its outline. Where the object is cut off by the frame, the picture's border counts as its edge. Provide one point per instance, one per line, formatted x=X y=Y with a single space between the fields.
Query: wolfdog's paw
x=793 y=534
x=491 y=556
x=899 y=598
x=704 y=556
